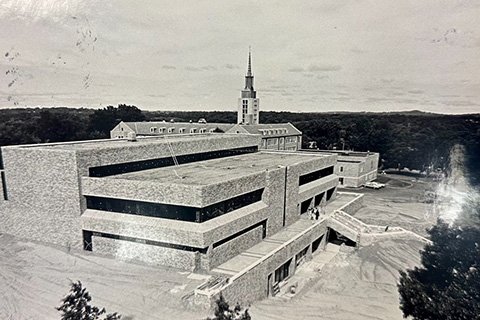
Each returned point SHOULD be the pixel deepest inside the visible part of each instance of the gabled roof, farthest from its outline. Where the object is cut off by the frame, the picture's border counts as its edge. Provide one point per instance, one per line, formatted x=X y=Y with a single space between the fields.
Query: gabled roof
x=270 y=129
x=144 y=128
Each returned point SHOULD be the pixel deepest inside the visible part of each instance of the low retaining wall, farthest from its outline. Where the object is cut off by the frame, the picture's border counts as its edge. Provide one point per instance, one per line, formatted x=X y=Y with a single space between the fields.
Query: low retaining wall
x=251 y=284
x=352 y=206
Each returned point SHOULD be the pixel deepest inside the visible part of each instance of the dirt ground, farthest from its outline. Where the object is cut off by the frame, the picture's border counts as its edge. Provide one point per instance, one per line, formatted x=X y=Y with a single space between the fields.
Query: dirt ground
x=406 y=202
x=35 y=277
x=361 y=285
x=357 y=285
x=354 y=285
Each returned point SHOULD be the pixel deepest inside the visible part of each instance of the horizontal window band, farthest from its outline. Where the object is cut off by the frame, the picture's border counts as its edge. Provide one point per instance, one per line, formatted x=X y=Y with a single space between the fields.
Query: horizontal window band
x=146 y=241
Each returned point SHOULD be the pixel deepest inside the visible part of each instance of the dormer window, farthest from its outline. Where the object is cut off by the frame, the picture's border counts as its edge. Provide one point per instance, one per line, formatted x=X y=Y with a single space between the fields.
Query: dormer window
x=211 y=130
x=203 y=130
x=153 y=129
x=170 y=130
x=161 y=130
x=181 y=130
x=192 y=130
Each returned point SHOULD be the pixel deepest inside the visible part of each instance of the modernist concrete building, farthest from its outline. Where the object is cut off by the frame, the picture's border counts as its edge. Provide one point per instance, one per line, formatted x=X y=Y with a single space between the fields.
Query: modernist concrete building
x=354 y=168
x=208 y=203
x=186 y=201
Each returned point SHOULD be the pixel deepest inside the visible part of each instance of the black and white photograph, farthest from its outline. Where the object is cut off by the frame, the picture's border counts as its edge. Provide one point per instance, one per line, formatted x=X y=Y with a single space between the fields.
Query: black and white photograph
x=239 y=160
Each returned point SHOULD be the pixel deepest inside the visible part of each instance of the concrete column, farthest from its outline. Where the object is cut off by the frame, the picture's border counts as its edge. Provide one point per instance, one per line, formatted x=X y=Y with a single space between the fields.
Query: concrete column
x=309 y=254
x=293 y=266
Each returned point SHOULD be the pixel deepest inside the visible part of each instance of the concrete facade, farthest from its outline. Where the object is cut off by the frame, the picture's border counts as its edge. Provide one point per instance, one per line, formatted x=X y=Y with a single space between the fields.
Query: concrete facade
x=353 y=168
x=45 y=199
x=87 y=194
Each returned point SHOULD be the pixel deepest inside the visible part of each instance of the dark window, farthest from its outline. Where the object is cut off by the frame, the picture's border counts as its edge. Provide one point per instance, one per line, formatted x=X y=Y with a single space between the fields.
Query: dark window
x=263 y=224
x=304 y=206
x=108 y=170
x=341 y=181
x=4 y=185
x=283 y=272
x=312 y=176
x=1 y=160
x=330 y=193
x=301 y=256
x=168 y=211
x=87 y=241
x=316 y=244
x=318 y=198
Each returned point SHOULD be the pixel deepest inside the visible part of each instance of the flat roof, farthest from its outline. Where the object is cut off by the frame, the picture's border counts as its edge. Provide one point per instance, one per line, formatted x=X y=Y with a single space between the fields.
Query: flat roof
x=342 y=153
x=218 y=170
x=120 y=143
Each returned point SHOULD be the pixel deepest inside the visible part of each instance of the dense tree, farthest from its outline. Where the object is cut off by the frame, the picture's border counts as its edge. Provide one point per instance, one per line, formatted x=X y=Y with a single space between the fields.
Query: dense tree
x=76 y=306
x=223 y=311
x=447 y=285
x=413 y=140
x=103 y=120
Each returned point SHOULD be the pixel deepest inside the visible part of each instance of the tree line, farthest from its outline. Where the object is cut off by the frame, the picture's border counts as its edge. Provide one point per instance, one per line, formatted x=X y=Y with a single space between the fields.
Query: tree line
x=414 y=140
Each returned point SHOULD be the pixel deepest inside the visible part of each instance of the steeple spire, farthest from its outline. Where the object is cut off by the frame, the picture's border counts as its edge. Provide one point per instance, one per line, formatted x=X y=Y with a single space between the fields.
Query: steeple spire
x=249 y=76
x=249 y=71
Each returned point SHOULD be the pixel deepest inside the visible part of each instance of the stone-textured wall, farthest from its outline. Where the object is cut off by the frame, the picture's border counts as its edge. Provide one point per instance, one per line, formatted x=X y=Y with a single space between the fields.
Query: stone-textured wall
x=356 y=174
x=151 y=191
x=252 y=285
x=236 y=246
x=44 y=196
x=294 y=197
x=150 y=254
x=343 y=229
x=353 y=206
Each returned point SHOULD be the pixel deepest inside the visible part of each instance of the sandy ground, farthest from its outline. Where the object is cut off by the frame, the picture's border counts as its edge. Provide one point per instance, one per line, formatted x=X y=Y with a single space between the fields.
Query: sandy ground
x=352 y=285
x=357 y=285
x=35 y=277
x=404 y=202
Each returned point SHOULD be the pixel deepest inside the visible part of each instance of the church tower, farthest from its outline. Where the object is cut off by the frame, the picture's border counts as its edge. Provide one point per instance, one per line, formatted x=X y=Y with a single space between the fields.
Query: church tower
x=248 y=104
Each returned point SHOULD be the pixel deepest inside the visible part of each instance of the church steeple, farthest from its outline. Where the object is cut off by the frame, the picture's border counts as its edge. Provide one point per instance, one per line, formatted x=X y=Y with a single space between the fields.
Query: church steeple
x=249 y=91
x=248 y=104
x=249 y=71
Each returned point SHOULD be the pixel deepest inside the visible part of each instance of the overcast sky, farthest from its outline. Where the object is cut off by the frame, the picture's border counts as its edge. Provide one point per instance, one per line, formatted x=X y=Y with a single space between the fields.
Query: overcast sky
x=383 y=55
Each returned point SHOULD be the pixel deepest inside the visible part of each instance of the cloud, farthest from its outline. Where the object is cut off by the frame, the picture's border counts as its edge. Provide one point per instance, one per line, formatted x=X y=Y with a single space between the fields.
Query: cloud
x=296 y=69
x=316 y=68
x=204 y=68
x=321 y=68
x=416 y=91
x=168 y=67
x=232 y=67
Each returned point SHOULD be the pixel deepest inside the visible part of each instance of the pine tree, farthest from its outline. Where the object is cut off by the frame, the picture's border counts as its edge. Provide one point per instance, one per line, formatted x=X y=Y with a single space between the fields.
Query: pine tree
x=223 y=311
x=447 y=285
x=76 y=306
